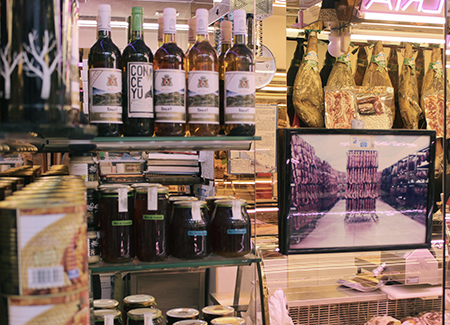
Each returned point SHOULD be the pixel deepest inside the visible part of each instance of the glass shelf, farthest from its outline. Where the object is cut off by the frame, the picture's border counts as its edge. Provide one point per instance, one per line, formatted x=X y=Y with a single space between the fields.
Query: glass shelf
x=149 y=143
x=174 y=263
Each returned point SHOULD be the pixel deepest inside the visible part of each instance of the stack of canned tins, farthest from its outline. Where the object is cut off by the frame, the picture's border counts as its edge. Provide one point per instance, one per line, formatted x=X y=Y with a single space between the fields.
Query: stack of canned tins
x=43 y=254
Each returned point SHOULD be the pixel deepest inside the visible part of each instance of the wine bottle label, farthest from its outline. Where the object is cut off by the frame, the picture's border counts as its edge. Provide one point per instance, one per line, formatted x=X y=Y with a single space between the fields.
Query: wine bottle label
x=169 y=96
x=105 y=95
x=203 y=97
x=239 y=97
x=140 y=89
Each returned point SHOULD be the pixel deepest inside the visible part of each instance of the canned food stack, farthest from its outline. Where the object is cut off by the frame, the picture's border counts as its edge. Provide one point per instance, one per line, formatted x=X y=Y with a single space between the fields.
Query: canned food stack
x=43 y=254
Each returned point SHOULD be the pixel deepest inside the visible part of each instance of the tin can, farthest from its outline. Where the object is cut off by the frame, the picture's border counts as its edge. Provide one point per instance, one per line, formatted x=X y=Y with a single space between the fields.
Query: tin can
x=44 y=246
x=19 y=181
x=180 y=314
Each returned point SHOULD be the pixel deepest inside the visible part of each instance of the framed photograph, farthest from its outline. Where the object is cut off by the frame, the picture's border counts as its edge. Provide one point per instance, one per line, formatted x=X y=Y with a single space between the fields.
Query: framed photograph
x=355 y=190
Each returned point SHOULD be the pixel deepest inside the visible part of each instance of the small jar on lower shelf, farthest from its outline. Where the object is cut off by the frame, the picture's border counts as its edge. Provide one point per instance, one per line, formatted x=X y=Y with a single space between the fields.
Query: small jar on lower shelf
x=145 y=316
x=101 y=316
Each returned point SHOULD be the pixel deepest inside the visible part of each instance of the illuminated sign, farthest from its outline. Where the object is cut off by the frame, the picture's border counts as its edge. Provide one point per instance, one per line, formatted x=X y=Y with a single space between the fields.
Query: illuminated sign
x=409 y=7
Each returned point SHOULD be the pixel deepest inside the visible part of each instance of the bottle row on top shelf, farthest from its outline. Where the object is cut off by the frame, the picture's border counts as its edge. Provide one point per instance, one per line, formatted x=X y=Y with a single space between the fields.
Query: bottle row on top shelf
x=133 y=93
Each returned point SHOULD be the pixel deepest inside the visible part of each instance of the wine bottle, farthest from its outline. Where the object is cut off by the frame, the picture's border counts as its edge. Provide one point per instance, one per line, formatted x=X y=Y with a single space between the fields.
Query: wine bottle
x=192 y=33
x=137 y=81
x=170 y=82
x=239 y=82
x=105 y=79
x=160 y=31
x=203 y=82
x=225 y=40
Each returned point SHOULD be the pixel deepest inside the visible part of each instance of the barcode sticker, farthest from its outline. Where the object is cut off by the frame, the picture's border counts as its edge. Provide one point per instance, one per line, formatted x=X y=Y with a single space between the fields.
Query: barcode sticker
x=46 y=277
x=152 y=198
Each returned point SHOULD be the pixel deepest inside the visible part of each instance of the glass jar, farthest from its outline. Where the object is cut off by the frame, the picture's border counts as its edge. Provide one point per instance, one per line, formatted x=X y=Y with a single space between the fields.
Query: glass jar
x=230 y=228
x=101 y=316
x=93 y=247
x=189 y=230
x=145 y=316
x=151 y=223
x=211 y=312
x=228 y=321
x=210 y=203
x=116 y=223
x=137 y=301
x=173 y=199
x=179 y=314
x=92 y=208
x=106 y=304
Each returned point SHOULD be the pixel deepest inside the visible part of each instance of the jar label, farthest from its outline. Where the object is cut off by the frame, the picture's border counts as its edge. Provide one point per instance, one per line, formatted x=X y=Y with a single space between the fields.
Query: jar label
x=169 y=96
x=108 y=319
x=195 y=210
x=236 y=231
x=197 y=233
x=239 y=97
x=105 y=95
x=123 y=200
x=236 y=209
x=153 y=217
x=122 y=222
x=152 y=198
x=140 y=89
x=148 y=318
x=93 y=246
x=203 y=97
x=88 y=172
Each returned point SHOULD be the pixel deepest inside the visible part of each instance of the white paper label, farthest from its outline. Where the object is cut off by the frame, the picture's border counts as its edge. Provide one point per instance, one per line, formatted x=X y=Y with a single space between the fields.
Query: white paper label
x=123 y=200
x=169 y=96
x=236 y=209
x=105 y=95
x=195 y=210
x=152 y=198
x=203 y=97
x=140 y=89
x=239 y=97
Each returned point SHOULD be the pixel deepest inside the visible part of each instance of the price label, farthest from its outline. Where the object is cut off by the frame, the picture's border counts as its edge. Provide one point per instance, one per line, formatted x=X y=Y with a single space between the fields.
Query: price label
x=361 y=142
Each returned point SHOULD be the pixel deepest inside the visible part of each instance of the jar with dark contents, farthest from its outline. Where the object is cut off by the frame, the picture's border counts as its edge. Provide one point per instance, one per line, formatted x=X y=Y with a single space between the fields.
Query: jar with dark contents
x=92 y=208
x=145 y=316
x=151 y=222
x=189 y=230
x=179 y=314
x=116 y=213
x=137 y=301
x=210 y=203
x=230 y=228
x=101 y=316
x=214 y=311
x=173 y=199
x=228 y=321
x=2 y=192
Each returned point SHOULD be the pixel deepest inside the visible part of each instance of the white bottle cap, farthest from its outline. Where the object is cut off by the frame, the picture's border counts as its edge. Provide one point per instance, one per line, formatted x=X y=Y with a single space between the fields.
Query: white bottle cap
x=202 y=21
x=225 y=31
x=240 y=22
x=104 y=17
x=170 y=20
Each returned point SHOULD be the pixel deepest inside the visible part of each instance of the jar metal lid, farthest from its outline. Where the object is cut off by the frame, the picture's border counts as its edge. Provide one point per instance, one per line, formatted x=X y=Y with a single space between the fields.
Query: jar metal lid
x=229 y=202
x=142 y=188
x=105 y=303
x=99 y=314
x=114 y=189
x=188 y=204
x=182 y=312
x=218 y=310
x=143 y=300
x=191 y=322
x=219 y=197
x=228 y=321
x=138 y=313
x=173 y=199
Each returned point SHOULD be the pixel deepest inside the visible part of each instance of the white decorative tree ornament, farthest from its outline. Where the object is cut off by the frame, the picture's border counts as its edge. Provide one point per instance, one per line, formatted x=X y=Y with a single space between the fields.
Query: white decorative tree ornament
x=45 y=68
x=7 y=67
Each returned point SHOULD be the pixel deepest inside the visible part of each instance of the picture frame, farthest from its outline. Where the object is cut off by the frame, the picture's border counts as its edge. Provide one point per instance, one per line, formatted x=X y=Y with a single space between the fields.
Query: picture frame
x=343 y=190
